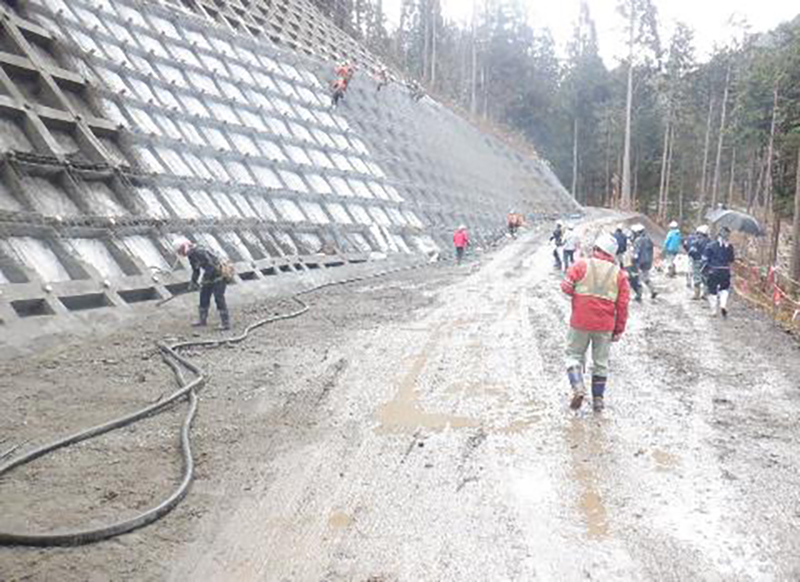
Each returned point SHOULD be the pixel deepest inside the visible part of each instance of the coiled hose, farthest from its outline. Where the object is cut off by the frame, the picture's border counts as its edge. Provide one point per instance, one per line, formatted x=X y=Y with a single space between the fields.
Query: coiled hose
x=174 y=360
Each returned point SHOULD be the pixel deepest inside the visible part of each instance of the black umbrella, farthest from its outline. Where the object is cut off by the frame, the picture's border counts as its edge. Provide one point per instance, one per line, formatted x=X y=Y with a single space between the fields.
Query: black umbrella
x=736 y=221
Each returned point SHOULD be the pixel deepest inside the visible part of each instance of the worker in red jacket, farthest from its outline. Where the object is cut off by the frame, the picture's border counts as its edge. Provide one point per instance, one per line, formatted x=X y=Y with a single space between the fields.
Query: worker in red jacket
x=600 y=295
x=460 y=241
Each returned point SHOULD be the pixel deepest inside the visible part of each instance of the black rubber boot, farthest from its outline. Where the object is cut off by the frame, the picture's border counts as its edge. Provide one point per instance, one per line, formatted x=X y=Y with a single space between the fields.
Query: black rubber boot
x=575 y=375
x=598 y=392
x=202 y=318
x=225 y=319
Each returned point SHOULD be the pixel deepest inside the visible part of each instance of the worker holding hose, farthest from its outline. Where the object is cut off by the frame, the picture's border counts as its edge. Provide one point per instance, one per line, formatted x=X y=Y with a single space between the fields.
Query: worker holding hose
x=216 y=275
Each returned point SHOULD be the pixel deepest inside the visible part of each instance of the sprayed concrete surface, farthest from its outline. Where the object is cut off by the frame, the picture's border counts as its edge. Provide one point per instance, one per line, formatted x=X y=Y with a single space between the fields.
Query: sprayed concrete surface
x=415 y=427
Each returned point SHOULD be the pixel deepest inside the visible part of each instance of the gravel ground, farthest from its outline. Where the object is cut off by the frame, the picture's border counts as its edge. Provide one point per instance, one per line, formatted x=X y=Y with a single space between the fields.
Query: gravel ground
x=415 y=427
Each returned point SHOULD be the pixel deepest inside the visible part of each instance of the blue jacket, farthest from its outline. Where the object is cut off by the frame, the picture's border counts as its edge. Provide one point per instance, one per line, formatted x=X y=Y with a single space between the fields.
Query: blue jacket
x=718 y=256
x=672 y=244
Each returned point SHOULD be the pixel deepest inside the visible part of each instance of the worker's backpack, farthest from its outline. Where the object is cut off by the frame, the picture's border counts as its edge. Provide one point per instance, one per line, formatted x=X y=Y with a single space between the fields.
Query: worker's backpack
x=227 y=271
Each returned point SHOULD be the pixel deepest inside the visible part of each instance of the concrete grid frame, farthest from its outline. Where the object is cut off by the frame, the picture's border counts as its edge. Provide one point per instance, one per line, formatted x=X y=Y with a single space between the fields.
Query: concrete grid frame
x=126 y=124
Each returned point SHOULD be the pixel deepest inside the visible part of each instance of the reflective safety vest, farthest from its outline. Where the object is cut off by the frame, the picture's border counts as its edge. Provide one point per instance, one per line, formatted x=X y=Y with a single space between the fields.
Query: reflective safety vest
x=600 y=280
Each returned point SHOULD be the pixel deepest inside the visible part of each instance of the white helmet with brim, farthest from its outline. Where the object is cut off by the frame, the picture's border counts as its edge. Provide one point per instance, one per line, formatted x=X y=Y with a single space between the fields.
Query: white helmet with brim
x=606 y=243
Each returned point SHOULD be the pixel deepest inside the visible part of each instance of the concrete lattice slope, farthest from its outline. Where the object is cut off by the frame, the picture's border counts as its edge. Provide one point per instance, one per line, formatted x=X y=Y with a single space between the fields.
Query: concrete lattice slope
x=127 y=124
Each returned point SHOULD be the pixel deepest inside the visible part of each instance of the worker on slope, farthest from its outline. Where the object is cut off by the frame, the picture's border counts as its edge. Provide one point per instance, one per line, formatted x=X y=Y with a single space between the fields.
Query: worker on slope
x=642 y=261
x=600 y=296
x=382 y=78
x=571 y=244
x=216 y=275
x=695 y=246
x=719 y=257
x=344 y=74
x=557 y=238
x=460 y=241
x=672 y=246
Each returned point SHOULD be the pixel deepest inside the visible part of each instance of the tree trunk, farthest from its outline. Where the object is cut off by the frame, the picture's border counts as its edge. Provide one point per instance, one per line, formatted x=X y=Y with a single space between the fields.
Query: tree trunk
x=635 y=181
x=608 y=169
x=733 y=174
x=667 y=180
x=796 y=224
x=575 y=158
x=750 y=178
x=435 y=11
x=776 y=238
x=681 y=192
x=720 y=139
x=400 y=49
x=473 y=100
x=756 y=194
x=661 y=210
x=770 y=154
x=485 y=87
x=626 y=201
x=703 y=185
x=425 y=11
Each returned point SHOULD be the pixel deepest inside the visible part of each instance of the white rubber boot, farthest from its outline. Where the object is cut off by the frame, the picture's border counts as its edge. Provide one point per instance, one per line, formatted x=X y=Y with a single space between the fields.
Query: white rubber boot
x=723 y=302
x=712 y=302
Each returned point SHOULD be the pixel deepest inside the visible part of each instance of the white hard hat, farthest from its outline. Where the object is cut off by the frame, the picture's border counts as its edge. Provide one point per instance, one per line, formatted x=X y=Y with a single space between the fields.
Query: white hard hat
x=570 y=227
x=637 y=228
x=559 y=223
x=606 y=243
x=702 y=229
x=462 y=227
x=673 y=224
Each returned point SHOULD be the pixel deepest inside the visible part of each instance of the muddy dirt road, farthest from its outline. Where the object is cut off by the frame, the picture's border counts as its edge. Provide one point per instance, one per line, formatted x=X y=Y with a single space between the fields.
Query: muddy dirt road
x=415 y=427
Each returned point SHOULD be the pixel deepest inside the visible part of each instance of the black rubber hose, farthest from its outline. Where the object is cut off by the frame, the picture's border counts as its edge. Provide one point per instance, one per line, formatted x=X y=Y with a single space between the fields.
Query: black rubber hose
x=189 y=390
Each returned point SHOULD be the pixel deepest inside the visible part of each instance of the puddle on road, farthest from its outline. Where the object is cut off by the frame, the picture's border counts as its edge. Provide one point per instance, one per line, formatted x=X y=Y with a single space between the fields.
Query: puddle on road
x=664 y=460
x=339 y=520
x=517 y=426
x=585 y=444
x=403 y=414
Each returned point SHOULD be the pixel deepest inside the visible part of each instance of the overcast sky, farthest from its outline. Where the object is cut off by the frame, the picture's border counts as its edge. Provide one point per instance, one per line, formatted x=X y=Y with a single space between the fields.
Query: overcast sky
x=708 y=18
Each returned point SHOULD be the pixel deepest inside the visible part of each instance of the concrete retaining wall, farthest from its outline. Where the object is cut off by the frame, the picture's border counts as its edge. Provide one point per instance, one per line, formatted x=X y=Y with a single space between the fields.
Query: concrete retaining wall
x=127 y=124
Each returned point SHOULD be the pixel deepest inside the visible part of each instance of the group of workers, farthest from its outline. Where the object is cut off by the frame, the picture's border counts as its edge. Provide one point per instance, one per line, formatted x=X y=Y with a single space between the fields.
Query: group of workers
x=600 y=286
x=343 y=75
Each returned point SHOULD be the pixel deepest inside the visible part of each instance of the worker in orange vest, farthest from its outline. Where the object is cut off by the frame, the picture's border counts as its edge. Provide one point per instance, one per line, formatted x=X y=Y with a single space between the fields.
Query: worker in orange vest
x=600 y=296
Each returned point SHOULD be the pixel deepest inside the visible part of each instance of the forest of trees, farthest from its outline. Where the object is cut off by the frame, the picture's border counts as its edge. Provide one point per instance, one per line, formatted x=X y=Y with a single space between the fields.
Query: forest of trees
x=660 y=132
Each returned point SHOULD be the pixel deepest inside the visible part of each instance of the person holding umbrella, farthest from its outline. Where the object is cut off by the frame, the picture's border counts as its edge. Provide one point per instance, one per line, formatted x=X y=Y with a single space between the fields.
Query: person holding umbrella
x=719 y=257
